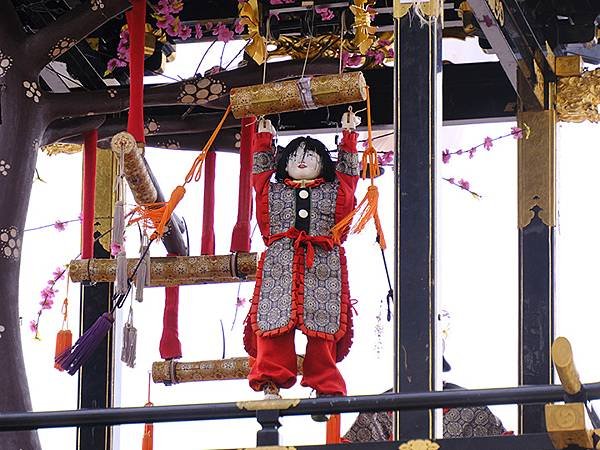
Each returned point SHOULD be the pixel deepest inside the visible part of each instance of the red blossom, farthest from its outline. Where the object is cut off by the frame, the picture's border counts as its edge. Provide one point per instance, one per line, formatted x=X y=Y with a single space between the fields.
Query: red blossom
x=325 y=13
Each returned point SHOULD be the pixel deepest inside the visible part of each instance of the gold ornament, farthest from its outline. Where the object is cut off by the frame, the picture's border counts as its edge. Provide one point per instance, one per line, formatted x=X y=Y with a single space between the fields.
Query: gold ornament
x=62 y=148
x=578 y=98
x=249 y=16
x=363 y=30
x=419 y=444
x=423 y=10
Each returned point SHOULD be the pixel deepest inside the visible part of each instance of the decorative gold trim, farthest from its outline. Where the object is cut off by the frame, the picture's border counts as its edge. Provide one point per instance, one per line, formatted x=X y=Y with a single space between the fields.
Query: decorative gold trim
x=536 y=167
x=566 y=425
x=578 y=98
x=326 y=46
x=106 y=172
x=419 y=444
x=364 y=32
x=62 y=148
x=249 y=16
x=260 y=405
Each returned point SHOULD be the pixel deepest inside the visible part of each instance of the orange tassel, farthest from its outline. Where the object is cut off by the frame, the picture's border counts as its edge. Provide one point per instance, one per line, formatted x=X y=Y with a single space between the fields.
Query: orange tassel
x=176 y=197
x=333 y=430
x=148 y=440
x=367 y=208
x=64 y=340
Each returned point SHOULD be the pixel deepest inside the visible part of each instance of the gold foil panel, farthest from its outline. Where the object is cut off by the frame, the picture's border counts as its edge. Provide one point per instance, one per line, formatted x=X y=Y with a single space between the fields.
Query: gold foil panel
x=172 y=270
x=536 y=168
x=566 y=425
x=284 y=96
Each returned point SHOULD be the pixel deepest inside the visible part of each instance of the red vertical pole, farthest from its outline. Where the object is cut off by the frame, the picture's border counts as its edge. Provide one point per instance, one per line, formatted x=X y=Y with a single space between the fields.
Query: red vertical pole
x=208 y=213
x=240 y=239
x=88 y=210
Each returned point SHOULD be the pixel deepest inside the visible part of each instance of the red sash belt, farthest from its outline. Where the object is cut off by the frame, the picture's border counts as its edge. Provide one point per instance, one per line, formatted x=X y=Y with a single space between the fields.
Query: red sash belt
x=300 y=238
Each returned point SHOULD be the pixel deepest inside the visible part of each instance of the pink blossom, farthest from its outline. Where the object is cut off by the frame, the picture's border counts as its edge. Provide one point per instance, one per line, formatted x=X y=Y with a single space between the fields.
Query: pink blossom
x=47 y=304
x=223 y=33
x=488 y=20
x=446 y=156
x=58 y=274
x=488 y=143
x=386 y=158
x=240 y=302
x=115 y=248
x=460 y=151
x=48 y=293
x=80 y=216
x=377 y=55
x=209 y=26
x=60 y=226
x=351 y=60
x=239 y=27
x=33 y=326
x=516 y=132
x=385 y=42
x=450 y=180
x=325 y=13
x=391 y=53
x=185 y=32
x=464 y=184
x=472 y=152
x=198 y=31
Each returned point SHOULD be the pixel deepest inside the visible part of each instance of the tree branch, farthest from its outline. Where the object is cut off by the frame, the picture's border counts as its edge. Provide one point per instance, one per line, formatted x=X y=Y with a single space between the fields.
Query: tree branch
x=55 y=39
x=195 y=91
x=11 y=28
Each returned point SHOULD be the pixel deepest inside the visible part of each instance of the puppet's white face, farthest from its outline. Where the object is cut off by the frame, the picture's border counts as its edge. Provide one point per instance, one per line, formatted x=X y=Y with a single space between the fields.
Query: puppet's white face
x=304 y=165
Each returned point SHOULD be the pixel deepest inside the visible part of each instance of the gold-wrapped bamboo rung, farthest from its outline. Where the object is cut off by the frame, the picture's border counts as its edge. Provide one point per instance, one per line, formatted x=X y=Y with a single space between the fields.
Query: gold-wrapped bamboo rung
x=296 y=95
x=173 y=270
x=173 y=372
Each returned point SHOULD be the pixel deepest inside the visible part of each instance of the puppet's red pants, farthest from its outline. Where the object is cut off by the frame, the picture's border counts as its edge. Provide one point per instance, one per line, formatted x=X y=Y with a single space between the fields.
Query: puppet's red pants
x=276 y=362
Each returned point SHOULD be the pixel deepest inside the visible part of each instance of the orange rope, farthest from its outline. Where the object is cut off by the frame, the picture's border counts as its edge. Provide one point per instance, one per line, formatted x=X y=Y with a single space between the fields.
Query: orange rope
x=158 y=214
x=367 y=208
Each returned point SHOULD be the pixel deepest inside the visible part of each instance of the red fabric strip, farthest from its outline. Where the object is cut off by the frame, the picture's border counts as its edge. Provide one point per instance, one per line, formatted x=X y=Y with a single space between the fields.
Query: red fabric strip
x=208 y=213
x=240 y=238
x=170 y=346
x=89 y=194
x=136 y=22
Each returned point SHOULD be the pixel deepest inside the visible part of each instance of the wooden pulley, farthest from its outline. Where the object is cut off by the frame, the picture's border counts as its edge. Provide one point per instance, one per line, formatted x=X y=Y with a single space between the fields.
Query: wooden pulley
x=295 y=95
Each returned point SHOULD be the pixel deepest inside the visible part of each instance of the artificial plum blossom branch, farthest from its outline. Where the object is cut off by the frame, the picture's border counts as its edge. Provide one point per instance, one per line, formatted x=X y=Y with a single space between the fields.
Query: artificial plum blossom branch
x=487 y=143
x=462 y=184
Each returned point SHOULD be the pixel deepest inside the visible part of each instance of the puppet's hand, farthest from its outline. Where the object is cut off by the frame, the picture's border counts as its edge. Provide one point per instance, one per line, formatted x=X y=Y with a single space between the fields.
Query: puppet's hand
x=265 y=126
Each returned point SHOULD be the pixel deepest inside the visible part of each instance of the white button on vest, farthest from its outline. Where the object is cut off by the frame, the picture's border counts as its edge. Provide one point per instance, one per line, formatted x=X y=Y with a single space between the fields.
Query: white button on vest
x=303 y=213
x=303 y=193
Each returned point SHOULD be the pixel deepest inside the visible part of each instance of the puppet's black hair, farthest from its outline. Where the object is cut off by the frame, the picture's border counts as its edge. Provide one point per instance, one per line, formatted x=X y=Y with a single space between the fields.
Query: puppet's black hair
x=327 y=165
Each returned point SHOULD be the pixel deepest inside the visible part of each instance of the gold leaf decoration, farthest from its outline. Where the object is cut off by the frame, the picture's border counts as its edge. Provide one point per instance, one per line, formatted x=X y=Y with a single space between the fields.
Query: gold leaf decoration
x=257 y=49
x=578 y=98
x=61 y=147
x=363 y=30
x=419 y=444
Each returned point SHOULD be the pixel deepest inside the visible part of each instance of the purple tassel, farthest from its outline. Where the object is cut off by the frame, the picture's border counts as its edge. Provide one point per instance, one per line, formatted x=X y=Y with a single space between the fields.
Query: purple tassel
x=73 y=358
